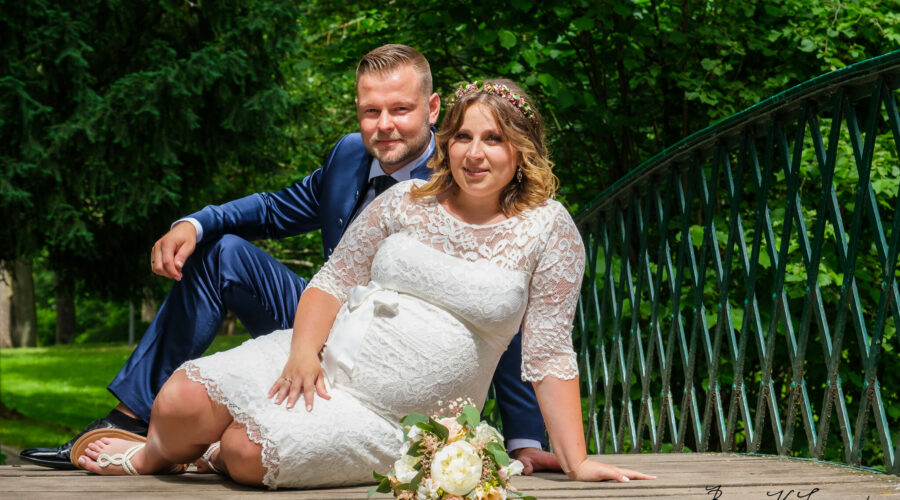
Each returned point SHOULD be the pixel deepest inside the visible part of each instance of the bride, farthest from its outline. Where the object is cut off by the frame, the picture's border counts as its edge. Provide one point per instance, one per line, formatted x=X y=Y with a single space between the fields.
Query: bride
x=413 y=309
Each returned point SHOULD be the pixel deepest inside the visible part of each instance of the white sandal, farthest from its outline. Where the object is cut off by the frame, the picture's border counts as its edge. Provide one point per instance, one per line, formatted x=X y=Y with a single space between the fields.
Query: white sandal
x=121 y=459
x=207 y=457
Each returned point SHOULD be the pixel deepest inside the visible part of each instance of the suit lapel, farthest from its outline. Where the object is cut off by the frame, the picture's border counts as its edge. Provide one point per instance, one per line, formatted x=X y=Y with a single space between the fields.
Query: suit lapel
x=361 y=183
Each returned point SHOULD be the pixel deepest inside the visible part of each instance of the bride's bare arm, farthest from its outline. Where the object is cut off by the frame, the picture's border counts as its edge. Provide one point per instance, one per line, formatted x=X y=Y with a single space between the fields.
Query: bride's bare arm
x=560 y=402
x=303 y=373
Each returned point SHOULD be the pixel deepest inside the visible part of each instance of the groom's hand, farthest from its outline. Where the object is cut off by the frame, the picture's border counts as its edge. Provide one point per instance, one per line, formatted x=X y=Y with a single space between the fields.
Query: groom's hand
x=536 y=460
x=169 y=252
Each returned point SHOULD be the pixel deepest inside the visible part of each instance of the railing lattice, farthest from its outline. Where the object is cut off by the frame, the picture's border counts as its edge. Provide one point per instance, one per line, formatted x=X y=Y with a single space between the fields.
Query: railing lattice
x=741 y=289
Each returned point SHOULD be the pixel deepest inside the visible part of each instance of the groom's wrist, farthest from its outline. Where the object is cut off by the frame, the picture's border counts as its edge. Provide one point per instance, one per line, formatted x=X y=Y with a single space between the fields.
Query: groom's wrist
x=194 y=222
x=519 y=443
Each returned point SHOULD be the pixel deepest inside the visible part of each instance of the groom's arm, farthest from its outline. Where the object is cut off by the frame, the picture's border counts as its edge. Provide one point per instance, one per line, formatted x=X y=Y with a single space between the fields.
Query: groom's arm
x=289 y=212
x=516 y=400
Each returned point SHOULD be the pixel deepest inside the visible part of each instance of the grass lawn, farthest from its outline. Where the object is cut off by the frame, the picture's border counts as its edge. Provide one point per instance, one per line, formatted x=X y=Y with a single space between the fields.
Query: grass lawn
x=50 y=393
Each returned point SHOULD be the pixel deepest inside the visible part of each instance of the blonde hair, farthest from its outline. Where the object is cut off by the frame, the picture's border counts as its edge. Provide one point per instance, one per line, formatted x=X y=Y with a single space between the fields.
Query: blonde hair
x=392 y=56
x=526 y=135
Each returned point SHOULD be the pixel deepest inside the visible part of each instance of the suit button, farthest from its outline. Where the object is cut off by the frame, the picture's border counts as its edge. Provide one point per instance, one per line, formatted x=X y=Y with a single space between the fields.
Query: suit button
x=330 y=250
x=357 y=195
x=340 y=222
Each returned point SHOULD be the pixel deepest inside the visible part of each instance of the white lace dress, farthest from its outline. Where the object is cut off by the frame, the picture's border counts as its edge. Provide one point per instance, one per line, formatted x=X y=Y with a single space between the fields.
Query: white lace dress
x=429 y=305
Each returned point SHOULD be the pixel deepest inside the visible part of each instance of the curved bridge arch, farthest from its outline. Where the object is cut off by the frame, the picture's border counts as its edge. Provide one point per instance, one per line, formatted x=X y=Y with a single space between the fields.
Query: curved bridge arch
x=741 y=289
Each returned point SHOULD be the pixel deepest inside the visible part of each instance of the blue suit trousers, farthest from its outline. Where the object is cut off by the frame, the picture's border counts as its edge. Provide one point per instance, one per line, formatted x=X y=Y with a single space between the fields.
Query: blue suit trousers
x=227 y=274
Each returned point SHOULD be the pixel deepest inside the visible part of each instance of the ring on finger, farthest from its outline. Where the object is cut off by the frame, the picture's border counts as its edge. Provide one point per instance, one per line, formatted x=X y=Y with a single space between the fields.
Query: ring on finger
x=288 y=379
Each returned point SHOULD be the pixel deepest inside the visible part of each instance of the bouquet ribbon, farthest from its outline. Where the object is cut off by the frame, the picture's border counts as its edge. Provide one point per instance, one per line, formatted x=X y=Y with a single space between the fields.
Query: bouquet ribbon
x=364 y=303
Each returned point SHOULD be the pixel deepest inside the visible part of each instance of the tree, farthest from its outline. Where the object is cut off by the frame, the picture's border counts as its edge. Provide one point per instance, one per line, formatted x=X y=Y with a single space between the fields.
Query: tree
x=18 y=317
x=117 y=116
x=617 y=80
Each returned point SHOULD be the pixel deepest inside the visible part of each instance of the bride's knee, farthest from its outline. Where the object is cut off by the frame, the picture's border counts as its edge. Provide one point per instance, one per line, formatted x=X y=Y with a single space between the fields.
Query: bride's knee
x=241 y=456
x=180 y=397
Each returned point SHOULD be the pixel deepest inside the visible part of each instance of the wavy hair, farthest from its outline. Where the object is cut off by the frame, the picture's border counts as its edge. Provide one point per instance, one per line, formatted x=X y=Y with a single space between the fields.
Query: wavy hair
x=525 y=134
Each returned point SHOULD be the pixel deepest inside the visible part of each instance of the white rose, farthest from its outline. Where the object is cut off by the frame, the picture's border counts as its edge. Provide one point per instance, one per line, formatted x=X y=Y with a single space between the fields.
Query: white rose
x=487 y=433
x=456 y=468
x=403 y=468
x=427 y=490
x=454 y=430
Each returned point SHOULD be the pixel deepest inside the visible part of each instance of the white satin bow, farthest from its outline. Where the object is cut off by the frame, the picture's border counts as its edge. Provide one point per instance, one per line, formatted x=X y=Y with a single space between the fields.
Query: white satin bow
x=363 y=304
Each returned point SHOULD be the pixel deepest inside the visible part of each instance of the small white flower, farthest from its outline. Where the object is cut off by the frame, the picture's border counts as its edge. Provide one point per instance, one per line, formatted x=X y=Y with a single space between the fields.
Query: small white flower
x=427 y=490
x=415 y=434
x=514 y=468
x=403 y=468
x=456 y=468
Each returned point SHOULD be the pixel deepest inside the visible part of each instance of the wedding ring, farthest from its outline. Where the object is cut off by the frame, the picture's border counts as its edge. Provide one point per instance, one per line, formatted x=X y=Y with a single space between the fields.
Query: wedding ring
x=288 y=379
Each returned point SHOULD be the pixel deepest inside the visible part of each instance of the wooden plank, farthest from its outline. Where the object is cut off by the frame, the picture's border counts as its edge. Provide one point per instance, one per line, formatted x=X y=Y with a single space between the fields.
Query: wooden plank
x=707 y=476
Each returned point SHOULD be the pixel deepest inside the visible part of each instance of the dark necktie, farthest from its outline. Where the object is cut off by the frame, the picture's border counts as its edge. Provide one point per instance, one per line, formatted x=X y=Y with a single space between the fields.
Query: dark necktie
x=382 y=182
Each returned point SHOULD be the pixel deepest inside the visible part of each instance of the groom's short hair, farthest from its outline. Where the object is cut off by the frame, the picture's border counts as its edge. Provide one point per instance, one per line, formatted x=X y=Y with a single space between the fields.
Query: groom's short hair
x=391 y=56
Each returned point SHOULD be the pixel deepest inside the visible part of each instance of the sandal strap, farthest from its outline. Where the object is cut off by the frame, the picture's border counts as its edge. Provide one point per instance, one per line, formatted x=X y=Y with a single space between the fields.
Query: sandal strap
x=121 y=459
x=207 y=456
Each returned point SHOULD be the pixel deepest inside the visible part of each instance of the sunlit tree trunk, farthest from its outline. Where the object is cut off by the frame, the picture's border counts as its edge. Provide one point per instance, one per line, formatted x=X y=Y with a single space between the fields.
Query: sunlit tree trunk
x=149 y=307
x=19 y=317
x=5 y=307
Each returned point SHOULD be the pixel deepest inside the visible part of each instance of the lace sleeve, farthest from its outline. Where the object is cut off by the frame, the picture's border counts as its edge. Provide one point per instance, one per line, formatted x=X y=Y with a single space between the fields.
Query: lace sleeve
x=555 y=285
x=351 y=261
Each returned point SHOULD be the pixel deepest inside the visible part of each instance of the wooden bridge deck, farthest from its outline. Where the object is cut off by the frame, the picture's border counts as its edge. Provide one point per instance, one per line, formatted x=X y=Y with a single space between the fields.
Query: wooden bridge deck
x=690 y=476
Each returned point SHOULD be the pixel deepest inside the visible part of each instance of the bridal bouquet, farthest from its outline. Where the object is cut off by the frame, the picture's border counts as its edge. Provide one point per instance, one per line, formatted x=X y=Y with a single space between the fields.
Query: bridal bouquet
x=451 y=457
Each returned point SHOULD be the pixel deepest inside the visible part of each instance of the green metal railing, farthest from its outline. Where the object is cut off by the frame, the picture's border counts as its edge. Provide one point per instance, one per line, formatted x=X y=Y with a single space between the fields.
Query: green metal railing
x=741 y=287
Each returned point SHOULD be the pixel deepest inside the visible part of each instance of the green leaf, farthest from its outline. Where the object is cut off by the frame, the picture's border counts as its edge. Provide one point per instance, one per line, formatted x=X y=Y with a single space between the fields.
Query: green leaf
x=807 y=45
x=384 y=486
x=522 y=5
x=486 y=37
x=708 y=64
x=413 y=419
x=442 y=432
x=415 y=449
x=507 y=39
x=498 y=453
x=469 y=417
x=414 y=484
x=530 y=57
x=583 y=23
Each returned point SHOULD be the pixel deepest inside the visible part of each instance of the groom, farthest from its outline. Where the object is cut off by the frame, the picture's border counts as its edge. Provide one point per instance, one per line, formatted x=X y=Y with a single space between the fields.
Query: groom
x=217 y=269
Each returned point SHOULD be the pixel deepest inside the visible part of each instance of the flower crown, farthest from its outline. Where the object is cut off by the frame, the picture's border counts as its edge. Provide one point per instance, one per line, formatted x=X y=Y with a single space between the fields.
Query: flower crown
x=497 y=89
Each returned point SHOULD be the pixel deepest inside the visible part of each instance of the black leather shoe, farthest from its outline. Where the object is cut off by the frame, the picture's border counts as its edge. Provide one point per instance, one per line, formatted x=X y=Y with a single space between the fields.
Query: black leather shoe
x=58 y=457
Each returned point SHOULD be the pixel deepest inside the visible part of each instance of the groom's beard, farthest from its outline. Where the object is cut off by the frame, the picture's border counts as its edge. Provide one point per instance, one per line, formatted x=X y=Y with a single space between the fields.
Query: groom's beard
x=403 y=152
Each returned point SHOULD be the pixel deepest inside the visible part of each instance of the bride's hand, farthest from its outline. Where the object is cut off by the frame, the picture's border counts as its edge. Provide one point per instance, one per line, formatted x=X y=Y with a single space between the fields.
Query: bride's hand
x=597 y=471
x=301 y=374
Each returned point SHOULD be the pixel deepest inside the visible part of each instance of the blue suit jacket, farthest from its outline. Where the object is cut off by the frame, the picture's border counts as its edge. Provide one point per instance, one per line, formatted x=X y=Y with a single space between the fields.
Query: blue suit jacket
x=325 y=200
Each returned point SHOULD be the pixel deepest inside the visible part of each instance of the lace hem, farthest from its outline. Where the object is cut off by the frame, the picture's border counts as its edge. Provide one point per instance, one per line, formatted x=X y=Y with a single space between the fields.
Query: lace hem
x=563 y=369
x=255 y=432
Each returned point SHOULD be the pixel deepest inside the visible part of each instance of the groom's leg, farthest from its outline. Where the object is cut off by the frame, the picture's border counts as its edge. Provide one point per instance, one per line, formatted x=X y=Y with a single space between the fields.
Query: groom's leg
x=226 y=274
x=230 y=273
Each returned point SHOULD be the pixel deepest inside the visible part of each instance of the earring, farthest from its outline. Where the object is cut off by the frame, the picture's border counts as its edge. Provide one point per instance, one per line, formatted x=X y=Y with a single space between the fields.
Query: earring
x=519 y=174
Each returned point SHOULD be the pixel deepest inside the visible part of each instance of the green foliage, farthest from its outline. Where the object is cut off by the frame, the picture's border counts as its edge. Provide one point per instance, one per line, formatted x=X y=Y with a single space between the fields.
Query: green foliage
x=117 y=116
x=616 y=80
